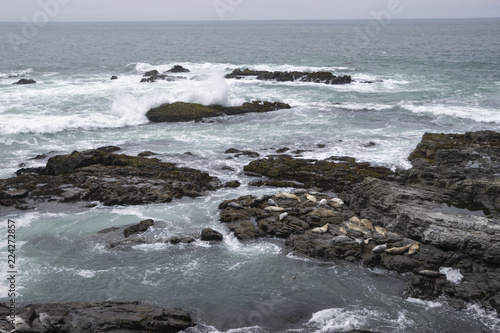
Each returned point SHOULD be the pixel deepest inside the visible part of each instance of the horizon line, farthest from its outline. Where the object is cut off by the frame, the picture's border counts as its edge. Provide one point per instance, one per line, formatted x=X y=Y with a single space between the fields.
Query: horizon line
x=253 y=20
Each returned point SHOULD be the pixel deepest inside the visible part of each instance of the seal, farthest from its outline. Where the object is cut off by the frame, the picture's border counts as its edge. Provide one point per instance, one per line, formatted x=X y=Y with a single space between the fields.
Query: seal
x=321 y=230
x=300 y=191
x=283 y=216
x=381 y=231
x=355 y=227
x=414 y=248
x=311 y=198
x=271 y=202
x=322 y=212
x=379 y=248
x=336 y=203
x=367 y=224
x=274 y=209
x=355 y=220
x=285 y=195
x=429 y=273
x=322 y=202
x=235 y=205
x=398 y=250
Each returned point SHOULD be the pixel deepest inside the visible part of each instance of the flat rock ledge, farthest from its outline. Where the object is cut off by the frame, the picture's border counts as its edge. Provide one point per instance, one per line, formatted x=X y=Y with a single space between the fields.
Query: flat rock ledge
x=80 y=317
x=334 y=173
x=438 y=221
x=104 y=176
x=315 y=77
x=184 y=112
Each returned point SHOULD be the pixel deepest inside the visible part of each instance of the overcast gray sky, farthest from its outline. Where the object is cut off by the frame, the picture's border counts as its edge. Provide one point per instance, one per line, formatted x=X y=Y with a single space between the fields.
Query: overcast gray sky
x=161 y=10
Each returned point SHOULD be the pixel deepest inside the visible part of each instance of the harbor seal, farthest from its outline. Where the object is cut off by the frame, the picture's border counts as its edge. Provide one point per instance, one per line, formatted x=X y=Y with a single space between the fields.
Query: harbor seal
x=414 y=248
x=283 y=216
x=235 y=205
x=321 y=230
x=322 y=202
x=367 y=224
x=355 y=220
x=429 y=273
x=336 y=203
x=285 y=195
x=271 y=202
x=398 y=250
x=274 y=209
x=311 y=198
x=379 y=248
x=381 y=231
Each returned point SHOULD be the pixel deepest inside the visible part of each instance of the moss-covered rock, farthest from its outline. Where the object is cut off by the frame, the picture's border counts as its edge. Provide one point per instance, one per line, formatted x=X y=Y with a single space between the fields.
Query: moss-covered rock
x=182 y=112
x=102 y=175
x=332 y=174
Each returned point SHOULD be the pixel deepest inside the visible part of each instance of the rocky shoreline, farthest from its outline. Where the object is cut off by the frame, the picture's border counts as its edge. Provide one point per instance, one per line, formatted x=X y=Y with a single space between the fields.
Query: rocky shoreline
x=439 y=221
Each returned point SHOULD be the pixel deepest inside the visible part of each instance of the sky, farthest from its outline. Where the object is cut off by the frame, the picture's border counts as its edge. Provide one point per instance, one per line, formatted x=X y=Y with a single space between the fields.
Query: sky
x=169 y=10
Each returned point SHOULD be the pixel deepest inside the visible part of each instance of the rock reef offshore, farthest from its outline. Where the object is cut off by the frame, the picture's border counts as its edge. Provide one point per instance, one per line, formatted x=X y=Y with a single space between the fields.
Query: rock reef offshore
x=315 y=77
x=183 y=112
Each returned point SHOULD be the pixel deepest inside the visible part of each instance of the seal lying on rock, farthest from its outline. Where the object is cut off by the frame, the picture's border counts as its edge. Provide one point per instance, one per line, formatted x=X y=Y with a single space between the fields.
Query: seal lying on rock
x=398 y=250
x=321 y=230
x=285 y=195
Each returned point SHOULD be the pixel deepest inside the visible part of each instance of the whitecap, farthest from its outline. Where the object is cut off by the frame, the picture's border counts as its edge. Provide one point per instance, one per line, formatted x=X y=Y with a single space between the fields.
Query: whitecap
x=452 y=275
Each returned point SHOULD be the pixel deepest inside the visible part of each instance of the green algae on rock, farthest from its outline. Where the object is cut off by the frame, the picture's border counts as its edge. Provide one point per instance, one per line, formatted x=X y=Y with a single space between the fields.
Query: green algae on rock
x=183 y=112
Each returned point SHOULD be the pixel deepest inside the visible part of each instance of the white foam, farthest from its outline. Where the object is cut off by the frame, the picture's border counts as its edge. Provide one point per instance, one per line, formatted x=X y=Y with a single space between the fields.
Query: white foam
x=475 y=113
x=428 y=304
x=85 y=273
x=337 y=320
x=452 y=275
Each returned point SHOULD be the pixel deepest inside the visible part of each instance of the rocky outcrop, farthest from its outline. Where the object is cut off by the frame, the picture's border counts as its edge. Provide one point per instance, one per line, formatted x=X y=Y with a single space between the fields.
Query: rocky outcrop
x=80 y=317
x=138 y=228
x=209 y=234
x=25 y=81
x=438 y=221
x=334 y=173
x=178 y=69
x=316 y=77
x=102 y=175
x=449 y=202
x=154 y=75
x=182 y=112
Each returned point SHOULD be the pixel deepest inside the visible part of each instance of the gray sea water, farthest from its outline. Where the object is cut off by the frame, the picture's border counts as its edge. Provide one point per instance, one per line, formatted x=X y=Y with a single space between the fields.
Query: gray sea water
x=428 y=76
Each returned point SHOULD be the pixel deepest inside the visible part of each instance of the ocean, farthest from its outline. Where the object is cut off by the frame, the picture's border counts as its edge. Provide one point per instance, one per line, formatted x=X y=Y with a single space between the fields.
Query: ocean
x=411 y=77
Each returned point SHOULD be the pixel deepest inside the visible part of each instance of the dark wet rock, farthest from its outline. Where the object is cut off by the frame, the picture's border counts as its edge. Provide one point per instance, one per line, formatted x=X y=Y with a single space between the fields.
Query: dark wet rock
x=154 y=76
x=138 y=228
x=25 y=81
x=233 y=184
x=112 y=179
x=282 y=150
x=449 y=203
x=208 y=234
x=239 y=153
x=316 y=77
x=114 y=77
x=181 y=240
x=370 y=144
x=178 y=69
x=325 y=174
x=147 y=154
x=151 y=73
x=80 y=317
x=182 y=112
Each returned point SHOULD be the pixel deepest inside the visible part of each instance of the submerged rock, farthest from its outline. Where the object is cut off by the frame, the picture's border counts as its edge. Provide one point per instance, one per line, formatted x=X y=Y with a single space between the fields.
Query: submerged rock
x=316 y=77
x=138 y=228
x=182 y=112
x=102 y=175
x=79 y=317
x=25 y=81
